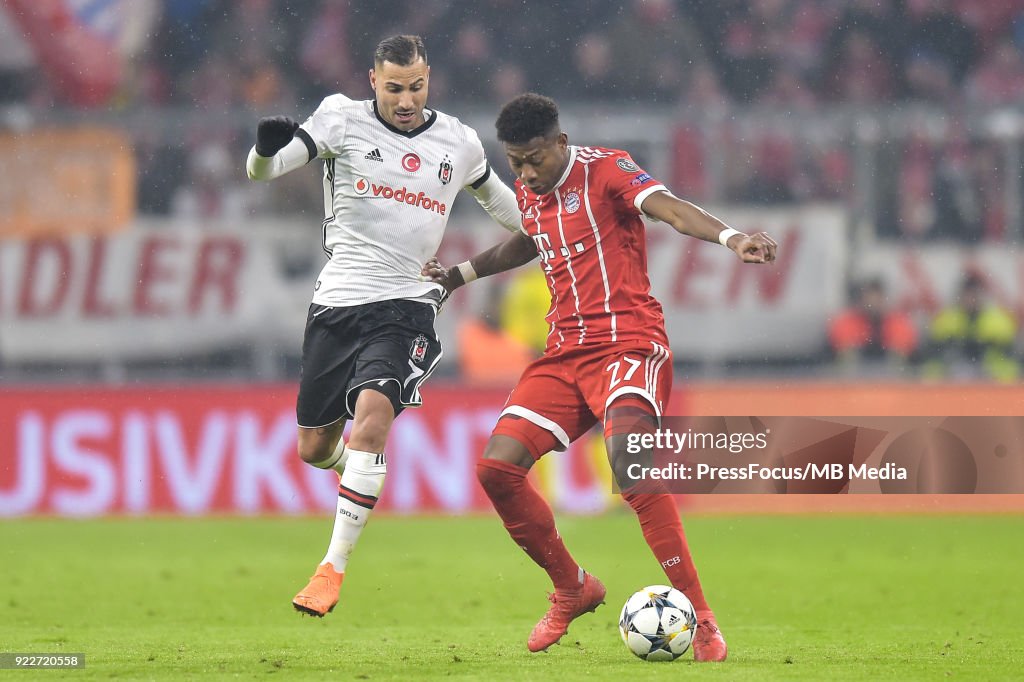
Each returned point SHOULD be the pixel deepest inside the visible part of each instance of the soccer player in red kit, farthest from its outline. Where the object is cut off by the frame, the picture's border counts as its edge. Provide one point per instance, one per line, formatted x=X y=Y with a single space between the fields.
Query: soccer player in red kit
x=607 y=357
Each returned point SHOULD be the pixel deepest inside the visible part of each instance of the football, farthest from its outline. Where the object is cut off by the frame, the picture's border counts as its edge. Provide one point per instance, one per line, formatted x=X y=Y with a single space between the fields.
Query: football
x=658 y=623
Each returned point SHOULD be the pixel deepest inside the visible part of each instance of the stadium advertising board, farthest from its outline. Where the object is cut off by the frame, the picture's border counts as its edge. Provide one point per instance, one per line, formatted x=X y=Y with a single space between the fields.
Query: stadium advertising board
x=163 y=289
x=231 y=450
x=160 y=290
x=64 y=182
x=717 y=307
x=224 y=449
x=142 y=294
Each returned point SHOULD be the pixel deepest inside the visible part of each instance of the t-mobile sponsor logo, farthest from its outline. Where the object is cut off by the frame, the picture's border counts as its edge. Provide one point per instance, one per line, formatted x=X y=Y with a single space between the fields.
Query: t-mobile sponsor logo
x=404 y=196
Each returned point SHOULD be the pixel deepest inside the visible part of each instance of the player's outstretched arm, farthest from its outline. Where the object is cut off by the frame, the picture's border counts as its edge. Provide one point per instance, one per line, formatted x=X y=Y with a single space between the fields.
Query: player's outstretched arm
x=499 y=201
x=510 y=254
x=277 y=151
x=694 y=221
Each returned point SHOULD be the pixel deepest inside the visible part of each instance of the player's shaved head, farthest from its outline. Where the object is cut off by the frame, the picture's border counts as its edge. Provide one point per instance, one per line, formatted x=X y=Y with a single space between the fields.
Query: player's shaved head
x=528 y=117
x=401 y=50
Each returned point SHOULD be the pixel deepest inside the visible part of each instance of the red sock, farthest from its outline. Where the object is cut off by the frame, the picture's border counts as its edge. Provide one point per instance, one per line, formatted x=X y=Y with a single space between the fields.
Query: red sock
x=529 y=520
x=663 y=531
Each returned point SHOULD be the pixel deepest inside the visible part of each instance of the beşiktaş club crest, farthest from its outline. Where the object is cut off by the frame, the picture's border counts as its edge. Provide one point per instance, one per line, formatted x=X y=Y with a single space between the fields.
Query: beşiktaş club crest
x=444 y=171
x=572 y=202
x=418 y=351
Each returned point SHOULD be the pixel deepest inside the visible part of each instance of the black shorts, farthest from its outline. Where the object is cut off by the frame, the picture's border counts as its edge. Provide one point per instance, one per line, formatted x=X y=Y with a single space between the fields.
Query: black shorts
x=388 y=343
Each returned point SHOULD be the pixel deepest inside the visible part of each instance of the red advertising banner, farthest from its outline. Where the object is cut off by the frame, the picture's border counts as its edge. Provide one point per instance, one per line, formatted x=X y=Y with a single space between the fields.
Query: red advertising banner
x=228 y=450
x=224 y=449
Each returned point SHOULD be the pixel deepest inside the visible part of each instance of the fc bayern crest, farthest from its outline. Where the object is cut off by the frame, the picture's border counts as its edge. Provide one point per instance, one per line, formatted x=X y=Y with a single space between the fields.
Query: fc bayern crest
x=418 y=351
x=572 y=202
x=444 y=171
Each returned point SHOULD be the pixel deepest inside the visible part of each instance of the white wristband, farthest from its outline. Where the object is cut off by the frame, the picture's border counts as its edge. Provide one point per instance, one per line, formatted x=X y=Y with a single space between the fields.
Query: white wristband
x=723 y=236
x=467 y=271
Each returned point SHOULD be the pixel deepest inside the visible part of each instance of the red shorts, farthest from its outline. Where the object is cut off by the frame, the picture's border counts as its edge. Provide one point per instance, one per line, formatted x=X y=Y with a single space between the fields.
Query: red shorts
x=560 y=397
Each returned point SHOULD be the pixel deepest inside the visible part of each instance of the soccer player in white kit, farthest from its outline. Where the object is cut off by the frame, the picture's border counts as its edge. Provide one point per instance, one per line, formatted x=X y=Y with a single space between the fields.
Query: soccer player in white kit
x=392 y=169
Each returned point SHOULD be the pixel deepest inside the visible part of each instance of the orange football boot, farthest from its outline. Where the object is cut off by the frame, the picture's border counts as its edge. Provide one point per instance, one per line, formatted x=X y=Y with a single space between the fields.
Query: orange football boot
x=320 y=596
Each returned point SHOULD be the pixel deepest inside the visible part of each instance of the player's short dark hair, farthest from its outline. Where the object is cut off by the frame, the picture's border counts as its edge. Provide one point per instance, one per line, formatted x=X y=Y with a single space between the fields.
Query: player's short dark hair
x=400 y=50
x=526 y=117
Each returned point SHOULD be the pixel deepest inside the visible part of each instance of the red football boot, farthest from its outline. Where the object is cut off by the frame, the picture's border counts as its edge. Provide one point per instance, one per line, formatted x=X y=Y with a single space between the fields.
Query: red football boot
x=708 y=643
x=566 y=606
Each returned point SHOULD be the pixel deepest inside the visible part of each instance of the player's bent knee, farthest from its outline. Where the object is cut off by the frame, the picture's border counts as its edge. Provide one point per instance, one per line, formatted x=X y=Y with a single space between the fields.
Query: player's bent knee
x=507 y=449
x=499 y=479
x=488 y=476
x=318 y=445
x=311 y=451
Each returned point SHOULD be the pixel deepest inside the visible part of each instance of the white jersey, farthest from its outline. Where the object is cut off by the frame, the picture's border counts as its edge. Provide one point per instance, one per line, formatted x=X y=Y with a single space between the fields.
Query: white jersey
x=387 y=197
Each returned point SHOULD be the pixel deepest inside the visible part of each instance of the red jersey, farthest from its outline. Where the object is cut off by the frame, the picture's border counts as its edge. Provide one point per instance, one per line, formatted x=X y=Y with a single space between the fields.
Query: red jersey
x=590 y=237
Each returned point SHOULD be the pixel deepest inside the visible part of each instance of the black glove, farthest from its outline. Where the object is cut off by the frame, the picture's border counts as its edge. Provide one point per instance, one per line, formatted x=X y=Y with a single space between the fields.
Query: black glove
x=273 y=133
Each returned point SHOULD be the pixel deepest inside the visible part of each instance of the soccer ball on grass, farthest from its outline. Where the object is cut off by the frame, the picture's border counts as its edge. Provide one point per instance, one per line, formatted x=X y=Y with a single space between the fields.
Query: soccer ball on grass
x=658 y=623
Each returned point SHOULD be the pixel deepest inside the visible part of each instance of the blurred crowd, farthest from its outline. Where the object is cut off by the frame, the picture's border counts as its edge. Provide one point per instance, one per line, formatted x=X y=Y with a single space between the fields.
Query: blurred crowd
x=972 y=337
x=798 y=54
x=702 y=62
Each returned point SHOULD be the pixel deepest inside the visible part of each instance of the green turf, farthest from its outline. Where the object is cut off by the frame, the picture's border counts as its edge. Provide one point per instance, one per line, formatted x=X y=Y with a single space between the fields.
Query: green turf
x=799 y=598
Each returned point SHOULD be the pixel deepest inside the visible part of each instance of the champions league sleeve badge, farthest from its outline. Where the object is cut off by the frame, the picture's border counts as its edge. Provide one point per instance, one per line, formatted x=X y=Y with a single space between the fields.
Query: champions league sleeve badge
x=626 y=165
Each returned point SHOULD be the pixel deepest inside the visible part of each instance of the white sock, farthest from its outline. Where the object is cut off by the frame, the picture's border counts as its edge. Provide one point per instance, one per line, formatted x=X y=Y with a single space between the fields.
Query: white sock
x=337 y=459
x=361 y=483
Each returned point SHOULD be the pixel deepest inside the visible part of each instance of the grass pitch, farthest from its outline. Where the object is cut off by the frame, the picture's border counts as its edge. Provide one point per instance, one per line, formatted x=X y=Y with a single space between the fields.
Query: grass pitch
x=798 y=598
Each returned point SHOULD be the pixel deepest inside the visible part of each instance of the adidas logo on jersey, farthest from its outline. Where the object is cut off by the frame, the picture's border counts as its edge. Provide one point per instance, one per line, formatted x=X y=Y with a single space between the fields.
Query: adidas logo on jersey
x=374 y=156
